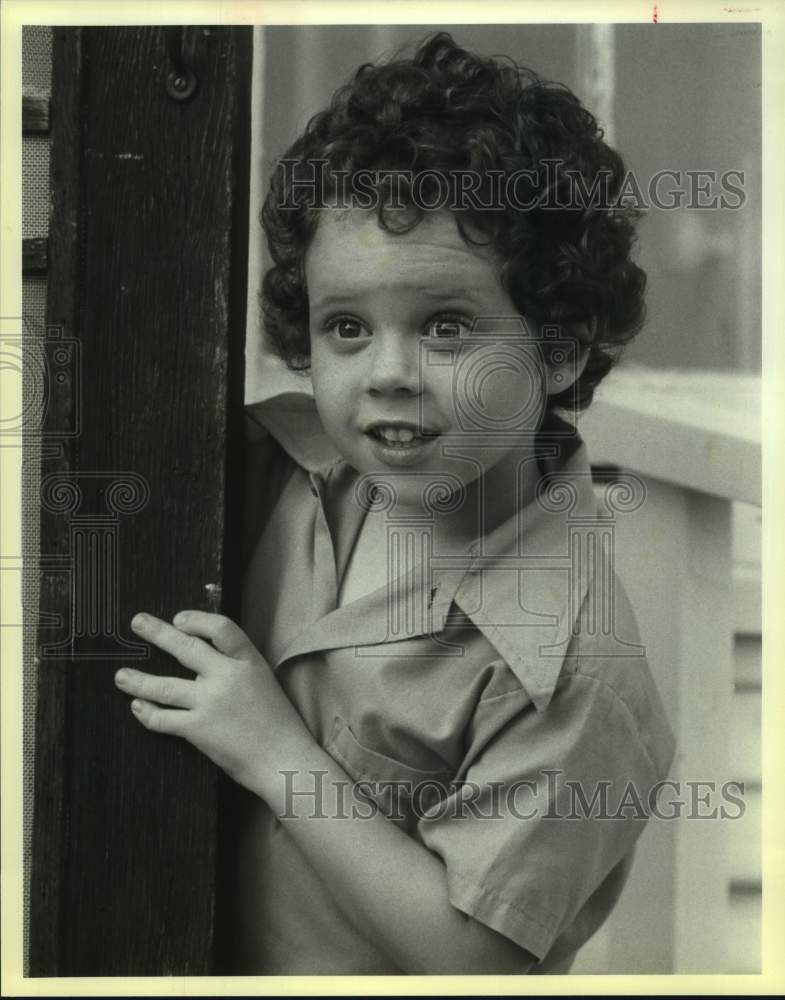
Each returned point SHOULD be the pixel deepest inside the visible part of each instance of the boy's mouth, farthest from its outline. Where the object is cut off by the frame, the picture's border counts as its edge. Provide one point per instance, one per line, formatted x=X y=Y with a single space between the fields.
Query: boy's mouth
x=400 y=435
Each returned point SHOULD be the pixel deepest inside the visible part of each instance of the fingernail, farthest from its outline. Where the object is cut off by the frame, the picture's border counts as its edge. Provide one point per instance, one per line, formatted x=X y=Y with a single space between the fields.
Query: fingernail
x=139 y=621
x=121 y=676
x=180 y=618
x=136 y=706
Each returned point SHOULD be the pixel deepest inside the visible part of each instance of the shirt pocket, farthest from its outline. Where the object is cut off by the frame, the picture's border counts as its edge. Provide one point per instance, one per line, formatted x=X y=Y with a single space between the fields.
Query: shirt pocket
x=402 y=792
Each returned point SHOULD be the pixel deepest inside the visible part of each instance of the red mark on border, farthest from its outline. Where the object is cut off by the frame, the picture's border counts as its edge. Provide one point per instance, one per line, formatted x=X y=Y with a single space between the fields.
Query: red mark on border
x=654 y=14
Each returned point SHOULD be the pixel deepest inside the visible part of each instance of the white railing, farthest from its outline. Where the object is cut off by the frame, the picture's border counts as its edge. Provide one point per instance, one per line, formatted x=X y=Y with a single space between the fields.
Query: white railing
x=694 y=438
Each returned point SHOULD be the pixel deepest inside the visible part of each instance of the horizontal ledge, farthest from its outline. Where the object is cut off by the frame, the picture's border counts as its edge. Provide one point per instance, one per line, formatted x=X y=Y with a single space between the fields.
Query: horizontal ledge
x=35 y=257
x=744 y=887
x=699 y=430
x=35 y=114
x=747 y=687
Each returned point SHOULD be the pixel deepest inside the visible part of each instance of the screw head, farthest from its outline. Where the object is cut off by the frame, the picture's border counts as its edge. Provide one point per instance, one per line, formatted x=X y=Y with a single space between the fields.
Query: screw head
x=181 y=86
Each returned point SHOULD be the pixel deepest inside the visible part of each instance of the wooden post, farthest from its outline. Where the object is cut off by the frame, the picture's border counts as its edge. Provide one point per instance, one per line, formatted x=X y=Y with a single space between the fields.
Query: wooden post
x=143 y=437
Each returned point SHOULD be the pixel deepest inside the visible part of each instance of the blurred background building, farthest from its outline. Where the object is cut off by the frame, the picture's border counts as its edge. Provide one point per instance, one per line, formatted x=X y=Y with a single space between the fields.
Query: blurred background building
x=670 y=97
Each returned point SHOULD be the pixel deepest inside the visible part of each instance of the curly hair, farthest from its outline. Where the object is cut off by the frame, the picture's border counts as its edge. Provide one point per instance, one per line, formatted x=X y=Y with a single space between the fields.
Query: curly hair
x=447 y=111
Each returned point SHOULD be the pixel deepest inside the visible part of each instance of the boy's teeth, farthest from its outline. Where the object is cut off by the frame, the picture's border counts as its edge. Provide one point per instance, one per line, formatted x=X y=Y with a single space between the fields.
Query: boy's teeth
x=394 y=434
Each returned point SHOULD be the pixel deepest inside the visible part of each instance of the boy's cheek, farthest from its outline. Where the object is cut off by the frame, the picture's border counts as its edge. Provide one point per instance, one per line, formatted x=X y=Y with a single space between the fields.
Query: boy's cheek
x=499 y=389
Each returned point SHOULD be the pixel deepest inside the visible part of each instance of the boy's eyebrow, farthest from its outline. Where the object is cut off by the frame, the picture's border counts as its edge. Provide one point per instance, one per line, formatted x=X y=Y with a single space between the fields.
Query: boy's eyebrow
x=448 y=293
x=337 y=298
x=329 y=300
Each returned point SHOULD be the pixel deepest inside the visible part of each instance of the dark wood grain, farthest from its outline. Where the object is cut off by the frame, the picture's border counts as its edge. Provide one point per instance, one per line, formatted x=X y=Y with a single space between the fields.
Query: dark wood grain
x=159 y=308
x=34 y=257
x=35 y=114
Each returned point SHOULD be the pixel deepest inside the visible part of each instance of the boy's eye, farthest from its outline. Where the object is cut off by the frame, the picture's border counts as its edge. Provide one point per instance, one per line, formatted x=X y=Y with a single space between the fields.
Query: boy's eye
x=346 y=328
x=448 y=326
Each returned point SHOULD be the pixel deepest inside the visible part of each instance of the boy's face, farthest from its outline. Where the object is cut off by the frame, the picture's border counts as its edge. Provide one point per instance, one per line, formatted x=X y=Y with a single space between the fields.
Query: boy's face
x=404 y=388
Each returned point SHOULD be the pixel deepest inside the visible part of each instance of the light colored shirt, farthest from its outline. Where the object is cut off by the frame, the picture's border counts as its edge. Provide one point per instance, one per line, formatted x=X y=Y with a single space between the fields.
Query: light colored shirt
x=487 y=705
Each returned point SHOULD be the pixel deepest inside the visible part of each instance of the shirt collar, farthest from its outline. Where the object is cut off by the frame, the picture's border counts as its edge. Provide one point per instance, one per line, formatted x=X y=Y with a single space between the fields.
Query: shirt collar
x=293 y=420
x=527 y=583
x=522 y=585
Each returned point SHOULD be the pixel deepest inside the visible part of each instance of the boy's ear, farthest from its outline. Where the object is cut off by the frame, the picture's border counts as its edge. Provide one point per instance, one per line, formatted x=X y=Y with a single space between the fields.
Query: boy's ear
x=565 y=368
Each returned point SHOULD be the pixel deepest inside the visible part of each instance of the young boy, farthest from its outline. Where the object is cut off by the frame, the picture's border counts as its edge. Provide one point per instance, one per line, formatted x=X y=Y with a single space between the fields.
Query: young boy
x=438 y=698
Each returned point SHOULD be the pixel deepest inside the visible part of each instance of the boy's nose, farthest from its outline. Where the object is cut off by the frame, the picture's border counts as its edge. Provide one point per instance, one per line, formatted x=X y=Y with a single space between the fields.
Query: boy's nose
x=394 y=367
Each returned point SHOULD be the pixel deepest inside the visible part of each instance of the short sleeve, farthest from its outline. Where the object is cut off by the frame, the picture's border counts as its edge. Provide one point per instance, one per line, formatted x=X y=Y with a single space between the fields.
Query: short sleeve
x=550 y=805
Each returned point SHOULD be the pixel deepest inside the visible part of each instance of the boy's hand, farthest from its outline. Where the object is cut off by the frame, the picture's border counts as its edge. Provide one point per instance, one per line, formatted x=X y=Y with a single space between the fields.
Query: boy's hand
x=234 y=710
